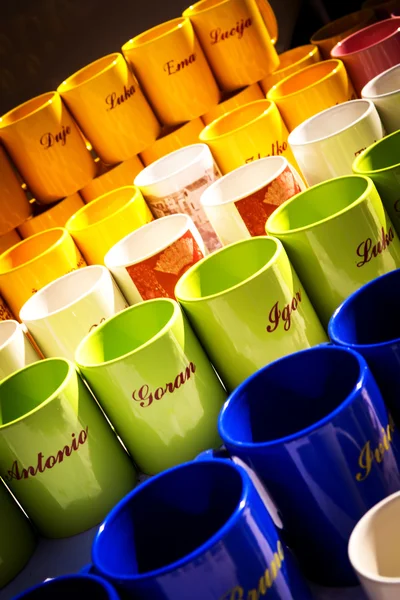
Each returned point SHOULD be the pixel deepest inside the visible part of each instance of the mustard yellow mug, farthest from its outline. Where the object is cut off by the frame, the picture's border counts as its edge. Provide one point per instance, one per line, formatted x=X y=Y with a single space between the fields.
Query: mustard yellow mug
x=14 y=204
x=171 y=139
x=231 y=100
x=9 y=239
x=112 y=178
x=47 y=217
x=291 y=61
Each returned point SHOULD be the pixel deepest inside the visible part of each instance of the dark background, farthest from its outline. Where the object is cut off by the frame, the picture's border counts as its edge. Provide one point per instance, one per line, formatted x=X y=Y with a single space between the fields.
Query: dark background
x=44 y=41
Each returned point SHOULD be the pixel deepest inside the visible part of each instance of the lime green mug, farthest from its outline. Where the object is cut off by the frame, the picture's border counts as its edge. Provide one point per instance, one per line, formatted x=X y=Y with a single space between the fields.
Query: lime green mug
x=338 y=236
x=248 y=307
x=154 y=382
x=381 y=162
x=58 y=455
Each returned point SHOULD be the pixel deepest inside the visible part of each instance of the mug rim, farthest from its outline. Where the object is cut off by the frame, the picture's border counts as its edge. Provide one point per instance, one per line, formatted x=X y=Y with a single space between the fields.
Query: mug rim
x=372 y=81
x=273 y=93
x=313 y=49
x=62 y=238
x=210 y=542
x=360 y=32
x=50 y=96
x=135 y=42
x=49 y=208
x=358 y=159
x=235 y=397
x=12 y=335
x=107 y=587
x=70 y=86
x=269 y=107
x=316 y=36
x=189 y=12
x=109 y=171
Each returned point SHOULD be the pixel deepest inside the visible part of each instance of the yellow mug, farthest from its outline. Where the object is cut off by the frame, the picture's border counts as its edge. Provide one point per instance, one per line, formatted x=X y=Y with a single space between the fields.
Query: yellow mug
x=14 y=204
x=110 y=108
x=291 y=61
x=330 y=34
x=236 y=39
x=35 y=262
x=172 y=139
x=230 y=101
x=48 y=217
x=9 y=239
x=247 y=133
x=173 y=71
x=47 y=147
x=111 y=178
x=311 y=90
x=99 y=225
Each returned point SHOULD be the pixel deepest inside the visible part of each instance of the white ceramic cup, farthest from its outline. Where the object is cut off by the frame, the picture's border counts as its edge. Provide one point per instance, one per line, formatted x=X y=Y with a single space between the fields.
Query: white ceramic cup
x=374 y=550
x=384 y=91
x=326 y=145
x=174 y=184
x=239 y=204
x=60 y=315
x=16 y=351
x=148 y=262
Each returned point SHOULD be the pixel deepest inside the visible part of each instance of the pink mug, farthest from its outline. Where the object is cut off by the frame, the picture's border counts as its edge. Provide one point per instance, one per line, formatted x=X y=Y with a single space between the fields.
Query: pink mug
x=370 y=51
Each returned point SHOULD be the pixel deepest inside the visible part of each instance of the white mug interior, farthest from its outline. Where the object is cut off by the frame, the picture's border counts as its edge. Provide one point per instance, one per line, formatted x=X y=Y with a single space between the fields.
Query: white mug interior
x=385 y=83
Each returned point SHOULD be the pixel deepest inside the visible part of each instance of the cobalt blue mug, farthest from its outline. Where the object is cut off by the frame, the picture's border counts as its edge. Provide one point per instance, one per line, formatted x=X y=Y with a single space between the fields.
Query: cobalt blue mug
x=368 y=321
x=68 y=587
x=314 y=428
x=198 y=531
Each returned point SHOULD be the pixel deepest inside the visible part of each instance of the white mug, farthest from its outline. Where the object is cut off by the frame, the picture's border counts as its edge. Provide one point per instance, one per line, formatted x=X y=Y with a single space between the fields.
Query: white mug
x=60 y=315
x=239 y=204
x=174 y=184
x=16 y=351
x=374 y=550
x=384 y=91
x=148 y=262
x=326 y=145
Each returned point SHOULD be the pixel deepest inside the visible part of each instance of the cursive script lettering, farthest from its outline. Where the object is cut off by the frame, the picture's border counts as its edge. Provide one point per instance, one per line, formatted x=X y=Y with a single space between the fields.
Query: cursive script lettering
x=367 y=250
x=48 y=139
x=368 y=454
x=97 y=324
x=277 y=148
x=276 y=315
x=173 y=67
x=145 y=397
x=217 y=35
x=112 y=100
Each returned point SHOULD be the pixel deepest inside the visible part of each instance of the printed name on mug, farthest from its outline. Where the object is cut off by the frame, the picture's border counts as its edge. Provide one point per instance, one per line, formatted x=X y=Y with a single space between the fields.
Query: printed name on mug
x=145 y=397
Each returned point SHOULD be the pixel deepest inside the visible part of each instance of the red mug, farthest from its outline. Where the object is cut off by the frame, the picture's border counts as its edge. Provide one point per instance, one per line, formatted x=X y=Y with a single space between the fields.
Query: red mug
x=370 y=51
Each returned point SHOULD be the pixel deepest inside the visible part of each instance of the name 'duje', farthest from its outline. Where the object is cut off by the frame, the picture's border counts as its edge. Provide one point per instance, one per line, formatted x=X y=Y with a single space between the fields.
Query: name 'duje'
x=42 y=463
x=367 y=250
x=217 y=35
x=49 y=139
x=113 y=100
x=145 y=397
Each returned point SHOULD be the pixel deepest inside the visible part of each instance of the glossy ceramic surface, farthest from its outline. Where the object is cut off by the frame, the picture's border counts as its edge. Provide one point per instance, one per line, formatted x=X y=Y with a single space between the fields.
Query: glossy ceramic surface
x=9 y=239
x=290 y=62
x=384 y=91
x=14 y=204
x=112 y=178
x=232 y=100
x=171 y=139
x=48 y=217
x=16 y=351
x=79 y=587
x=330 y=34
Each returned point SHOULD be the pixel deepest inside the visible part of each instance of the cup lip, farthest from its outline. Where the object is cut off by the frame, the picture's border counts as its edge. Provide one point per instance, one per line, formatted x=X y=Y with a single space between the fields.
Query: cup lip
x=136 y=43
x=312 y=50
x=53 y=395
x=269 y=106
x=216 y=537
x=371 y=82
x=62 y=238
x=190 y=12
x=108 y=259
x=348 y=301
x=361 y=32
x=49 y=95
x=358 y=159
x=235 y=398
x=273 y=93
x=136 y=307
x=352 y=553
x=370 y=108
x=273 y=231
x=316 y=37
x=238 y=171
x=52 y=582
x=114 y=58
x=13 y=333
x=279 y=250
x=203 y=150
x=49 y=208
x=103 y=272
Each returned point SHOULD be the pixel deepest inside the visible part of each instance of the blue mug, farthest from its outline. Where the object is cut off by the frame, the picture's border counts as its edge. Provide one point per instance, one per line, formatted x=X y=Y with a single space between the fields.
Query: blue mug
x=198 y=531
x=368 y=321
x=76 y=587
x=314 y=428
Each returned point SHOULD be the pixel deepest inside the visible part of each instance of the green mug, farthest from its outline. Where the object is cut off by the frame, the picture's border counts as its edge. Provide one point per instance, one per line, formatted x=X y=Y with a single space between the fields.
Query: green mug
x=381 y=162
x=17 y=539
x=155 y=383
x=248 y=307
x=58 y=455
x=338 y=236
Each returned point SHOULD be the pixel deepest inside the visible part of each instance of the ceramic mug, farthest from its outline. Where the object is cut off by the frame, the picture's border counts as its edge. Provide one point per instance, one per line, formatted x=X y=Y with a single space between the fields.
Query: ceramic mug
x=307 y=92
x=326 y=144
x=336 y=246
x=239 y=204
x=148 y=262
x=290 y=62
x=236 y=38
x=171 y=139
x=8 y=240
x=381 y=162
x=58 y=454
x=16 y=351
x=382 y=8
x=330 y=34
x=248 y=307
x=374 y=549
x=203 y=532
x=384 y=91
x=14 y=204
x=110 y=107
x=154 y=382
x=370 y=51
x=173 y=71
x=76 y=586
x=47 y=217
x=17 y=541
x=112 y=178
x=33 y=263
x=99 y=225
x=60 y=315
x=247 y=133
x=174 y=184
x=231 y=100
x=324 y=447
x=47 y=147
